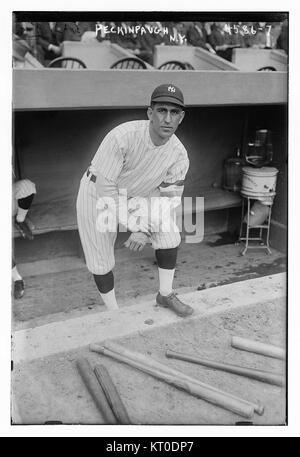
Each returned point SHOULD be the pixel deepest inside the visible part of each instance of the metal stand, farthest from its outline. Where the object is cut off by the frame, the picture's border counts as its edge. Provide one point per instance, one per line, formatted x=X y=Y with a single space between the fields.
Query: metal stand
x=264 y=243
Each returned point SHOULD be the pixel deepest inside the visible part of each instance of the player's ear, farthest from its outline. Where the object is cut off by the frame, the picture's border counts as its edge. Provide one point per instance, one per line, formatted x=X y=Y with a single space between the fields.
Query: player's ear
x=149 y=113
x=182 y=114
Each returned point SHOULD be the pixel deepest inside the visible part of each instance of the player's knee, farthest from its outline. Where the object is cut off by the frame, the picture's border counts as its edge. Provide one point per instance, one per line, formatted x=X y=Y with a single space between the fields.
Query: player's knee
x=29 y=186
x=102 y=268
x=171 y=242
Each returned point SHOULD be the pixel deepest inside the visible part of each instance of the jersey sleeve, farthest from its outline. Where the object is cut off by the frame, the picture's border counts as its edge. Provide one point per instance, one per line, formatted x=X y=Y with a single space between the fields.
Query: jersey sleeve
x=109 y=158
x=173 y=184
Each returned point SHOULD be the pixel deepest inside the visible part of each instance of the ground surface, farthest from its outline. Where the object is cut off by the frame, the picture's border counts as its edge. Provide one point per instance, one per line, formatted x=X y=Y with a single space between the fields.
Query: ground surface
x=63 y=286
x=59 y=290
x=50 y=389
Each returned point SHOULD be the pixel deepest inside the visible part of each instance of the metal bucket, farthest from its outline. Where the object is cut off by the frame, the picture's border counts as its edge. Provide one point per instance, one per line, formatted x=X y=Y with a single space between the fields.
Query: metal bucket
x=259 y=182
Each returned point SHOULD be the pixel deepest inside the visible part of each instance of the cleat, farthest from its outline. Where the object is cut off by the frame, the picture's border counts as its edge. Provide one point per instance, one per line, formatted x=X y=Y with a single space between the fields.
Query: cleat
x=19 y=288
x=173 y=303
x=24 y=229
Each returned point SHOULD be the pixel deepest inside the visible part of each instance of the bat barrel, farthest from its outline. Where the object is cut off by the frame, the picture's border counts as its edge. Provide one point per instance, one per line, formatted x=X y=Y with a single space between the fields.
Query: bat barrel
x=149 y=361
x=111 y=394
x=259 y=375
x=257 y=347
x=212 y=396
x=95 y=390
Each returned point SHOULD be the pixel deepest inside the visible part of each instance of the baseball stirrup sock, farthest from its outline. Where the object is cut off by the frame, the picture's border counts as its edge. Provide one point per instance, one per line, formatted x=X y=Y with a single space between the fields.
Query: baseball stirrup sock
x=166 y=258
x=15 y=274
x=110 y=299
x=104 y=283
x=165 y=281
x=21 y=214
x=105 y=286
x=25 y=202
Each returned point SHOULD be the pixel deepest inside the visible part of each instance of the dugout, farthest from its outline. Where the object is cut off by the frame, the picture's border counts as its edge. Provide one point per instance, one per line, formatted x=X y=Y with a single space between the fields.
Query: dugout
x=60 y=117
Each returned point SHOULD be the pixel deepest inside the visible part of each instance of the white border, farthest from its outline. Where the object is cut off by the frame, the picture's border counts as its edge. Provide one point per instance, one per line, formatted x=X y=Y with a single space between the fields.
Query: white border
x=5 y=182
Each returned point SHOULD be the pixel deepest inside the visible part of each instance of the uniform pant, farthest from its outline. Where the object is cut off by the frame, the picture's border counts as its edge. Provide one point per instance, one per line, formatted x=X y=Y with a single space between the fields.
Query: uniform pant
x=98 y=246
x=23 y=192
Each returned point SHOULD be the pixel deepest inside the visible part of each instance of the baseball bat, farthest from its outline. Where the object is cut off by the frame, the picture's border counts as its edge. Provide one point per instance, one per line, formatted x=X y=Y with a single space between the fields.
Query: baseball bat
x=149 y=361
x=95 y=390
x=214 y=397
x=260 y=375
x=112 y=394
x=259 y=348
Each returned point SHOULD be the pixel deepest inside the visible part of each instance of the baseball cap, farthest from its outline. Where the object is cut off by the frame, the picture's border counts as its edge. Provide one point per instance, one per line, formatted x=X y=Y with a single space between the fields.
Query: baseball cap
x=168 y=93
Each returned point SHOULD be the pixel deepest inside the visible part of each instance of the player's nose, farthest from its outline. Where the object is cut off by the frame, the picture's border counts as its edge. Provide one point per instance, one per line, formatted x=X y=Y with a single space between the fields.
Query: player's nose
x=168 y=117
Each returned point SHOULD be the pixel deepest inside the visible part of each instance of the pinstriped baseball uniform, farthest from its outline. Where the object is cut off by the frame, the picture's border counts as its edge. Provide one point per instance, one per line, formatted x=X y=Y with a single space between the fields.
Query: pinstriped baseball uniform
x=22 y=189
x=129 y=160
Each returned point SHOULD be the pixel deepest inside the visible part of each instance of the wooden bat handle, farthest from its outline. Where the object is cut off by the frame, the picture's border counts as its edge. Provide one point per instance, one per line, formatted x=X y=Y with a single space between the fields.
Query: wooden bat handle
x=264 y=376
x=259 y=348
x=149 y=361
x=215 y=397
x=112 y=394
x=95 y=390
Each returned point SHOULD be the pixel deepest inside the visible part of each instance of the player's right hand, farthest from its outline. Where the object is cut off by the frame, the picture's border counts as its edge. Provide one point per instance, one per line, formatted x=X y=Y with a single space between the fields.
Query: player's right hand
x=136 y=241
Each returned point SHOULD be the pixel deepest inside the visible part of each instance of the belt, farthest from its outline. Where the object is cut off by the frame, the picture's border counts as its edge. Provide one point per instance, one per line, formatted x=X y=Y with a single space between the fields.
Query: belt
x=93 y=178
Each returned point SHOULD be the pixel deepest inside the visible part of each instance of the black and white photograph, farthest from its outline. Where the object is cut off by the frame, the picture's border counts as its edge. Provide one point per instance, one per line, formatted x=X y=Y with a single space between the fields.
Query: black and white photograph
x=149 y=222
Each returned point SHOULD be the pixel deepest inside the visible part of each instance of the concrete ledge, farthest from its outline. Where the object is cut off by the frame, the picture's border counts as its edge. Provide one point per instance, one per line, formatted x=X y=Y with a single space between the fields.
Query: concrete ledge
x=57 y=337
x=93 y=89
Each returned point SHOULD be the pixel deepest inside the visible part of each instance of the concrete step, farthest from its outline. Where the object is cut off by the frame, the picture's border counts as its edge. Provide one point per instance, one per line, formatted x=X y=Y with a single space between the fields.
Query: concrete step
x=66 y=335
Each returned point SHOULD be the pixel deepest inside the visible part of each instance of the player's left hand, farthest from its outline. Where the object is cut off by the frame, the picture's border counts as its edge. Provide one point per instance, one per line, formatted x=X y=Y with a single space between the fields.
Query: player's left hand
x=136 y=241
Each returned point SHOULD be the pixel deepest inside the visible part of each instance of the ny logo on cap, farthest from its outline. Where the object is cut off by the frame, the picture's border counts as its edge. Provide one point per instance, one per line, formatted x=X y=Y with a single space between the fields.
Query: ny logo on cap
x=171 y=89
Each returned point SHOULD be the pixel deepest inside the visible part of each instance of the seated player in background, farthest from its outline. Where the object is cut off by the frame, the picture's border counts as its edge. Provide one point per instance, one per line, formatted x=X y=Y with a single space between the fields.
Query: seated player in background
x=23 y=193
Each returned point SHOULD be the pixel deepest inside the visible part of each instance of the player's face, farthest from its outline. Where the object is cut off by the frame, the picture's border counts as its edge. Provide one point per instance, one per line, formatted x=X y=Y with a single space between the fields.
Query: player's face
x=164 y=120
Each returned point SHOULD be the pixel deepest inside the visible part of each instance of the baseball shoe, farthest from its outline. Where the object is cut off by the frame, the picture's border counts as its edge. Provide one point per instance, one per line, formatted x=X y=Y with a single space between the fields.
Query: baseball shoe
x=30 y=223
x=19 y=288
x=172 y=302
x=24 y=229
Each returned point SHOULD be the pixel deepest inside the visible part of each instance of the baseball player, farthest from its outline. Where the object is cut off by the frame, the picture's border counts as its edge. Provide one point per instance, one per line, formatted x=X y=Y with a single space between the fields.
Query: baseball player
x=23 y=193
x=141 y=160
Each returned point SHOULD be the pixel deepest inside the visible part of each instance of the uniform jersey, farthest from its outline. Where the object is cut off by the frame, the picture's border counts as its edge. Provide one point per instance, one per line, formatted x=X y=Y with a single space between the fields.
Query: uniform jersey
x=128 y=157
x=129 y=160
